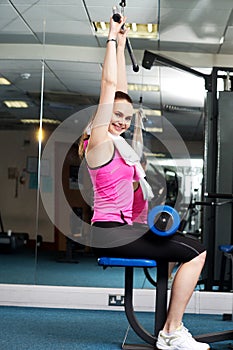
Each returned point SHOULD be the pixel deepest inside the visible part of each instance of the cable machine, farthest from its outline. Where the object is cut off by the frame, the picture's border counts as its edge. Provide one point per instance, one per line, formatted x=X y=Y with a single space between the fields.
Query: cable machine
x=218 y=160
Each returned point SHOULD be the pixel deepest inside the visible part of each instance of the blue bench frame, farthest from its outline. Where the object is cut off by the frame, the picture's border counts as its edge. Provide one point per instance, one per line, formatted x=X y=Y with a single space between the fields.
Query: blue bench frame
x=227 y=252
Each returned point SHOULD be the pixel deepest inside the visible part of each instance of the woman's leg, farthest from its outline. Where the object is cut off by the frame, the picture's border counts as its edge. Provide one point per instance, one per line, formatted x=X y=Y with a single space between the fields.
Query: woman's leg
x=183 y=285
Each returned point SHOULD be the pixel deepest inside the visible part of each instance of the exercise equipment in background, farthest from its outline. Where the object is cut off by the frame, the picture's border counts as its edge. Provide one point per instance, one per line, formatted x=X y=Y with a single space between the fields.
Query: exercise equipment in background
x=73 y=249
x=11 y=241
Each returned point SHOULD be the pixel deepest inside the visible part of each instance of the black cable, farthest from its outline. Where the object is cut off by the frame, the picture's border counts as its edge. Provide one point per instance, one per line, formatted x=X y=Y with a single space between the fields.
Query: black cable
x=158 y=23
x=116 y=17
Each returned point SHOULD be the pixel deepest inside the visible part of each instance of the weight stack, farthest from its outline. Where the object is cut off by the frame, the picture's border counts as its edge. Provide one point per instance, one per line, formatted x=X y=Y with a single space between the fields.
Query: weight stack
x=218 y=178
x=224 y=174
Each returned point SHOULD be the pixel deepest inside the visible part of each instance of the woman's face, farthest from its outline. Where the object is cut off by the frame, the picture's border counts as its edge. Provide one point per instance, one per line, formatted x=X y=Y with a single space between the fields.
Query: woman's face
x=121 y=118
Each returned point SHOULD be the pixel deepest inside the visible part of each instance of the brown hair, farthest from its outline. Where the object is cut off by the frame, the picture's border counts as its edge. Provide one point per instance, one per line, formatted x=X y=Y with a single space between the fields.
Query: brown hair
x=119 y=95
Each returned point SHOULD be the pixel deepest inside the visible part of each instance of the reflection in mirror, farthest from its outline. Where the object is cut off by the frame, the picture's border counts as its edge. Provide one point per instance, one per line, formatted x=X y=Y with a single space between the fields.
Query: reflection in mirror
x=19 y=156
x=20 y=109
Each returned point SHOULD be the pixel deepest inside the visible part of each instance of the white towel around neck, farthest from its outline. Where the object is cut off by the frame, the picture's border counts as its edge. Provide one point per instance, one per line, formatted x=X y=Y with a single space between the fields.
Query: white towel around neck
x=131 y=158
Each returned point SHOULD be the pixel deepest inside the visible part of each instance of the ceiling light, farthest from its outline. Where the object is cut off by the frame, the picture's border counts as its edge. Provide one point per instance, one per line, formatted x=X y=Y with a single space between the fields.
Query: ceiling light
x=4 y=81
x=154 y=129
x=16 y=104
x=103 y=26
x=138 y=30
x=40 y=135
x=150 y=27
x=37 y=121
x=157 y=155
x=221 y=41
x=150 y=112
x=143 y=87
x=134 y=27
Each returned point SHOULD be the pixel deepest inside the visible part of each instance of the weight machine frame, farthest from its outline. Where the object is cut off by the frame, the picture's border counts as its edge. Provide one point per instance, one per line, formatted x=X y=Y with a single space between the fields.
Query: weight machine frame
x=210 y=80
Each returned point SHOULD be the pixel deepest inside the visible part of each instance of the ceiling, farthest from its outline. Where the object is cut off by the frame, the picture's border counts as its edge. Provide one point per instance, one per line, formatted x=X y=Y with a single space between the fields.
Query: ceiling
x=56 y=37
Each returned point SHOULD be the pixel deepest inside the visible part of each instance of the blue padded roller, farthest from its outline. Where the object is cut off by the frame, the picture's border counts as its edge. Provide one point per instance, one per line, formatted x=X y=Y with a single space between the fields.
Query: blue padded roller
x=163 y=220
x=106 y=261
x=226 y=248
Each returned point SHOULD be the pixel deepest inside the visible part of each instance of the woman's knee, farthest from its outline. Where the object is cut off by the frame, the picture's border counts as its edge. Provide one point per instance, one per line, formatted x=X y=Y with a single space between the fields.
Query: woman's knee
x=200 y=259
x=203 y=255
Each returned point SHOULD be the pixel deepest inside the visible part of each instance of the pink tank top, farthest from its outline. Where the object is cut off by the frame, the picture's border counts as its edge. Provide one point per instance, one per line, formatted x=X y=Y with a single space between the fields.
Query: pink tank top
x=113 y=190
x=140 y=207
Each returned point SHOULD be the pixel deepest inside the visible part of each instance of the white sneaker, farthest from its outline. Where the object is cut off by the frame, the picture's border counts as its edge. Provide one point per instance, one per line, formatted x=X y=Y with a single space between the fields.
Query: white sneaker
x=181 y=339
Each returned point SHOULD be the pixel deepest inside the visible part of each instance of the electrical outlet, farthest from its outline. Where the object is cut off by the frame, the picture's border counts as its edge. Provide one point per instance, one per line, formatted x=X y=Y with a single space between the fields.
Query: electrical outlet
x=116 y=300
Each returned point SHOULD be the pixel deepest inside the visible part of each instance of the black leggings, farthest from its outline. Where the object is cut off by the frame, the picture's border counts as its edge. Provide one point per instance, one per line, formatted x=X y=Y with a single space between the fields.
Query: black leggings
x=113 y=239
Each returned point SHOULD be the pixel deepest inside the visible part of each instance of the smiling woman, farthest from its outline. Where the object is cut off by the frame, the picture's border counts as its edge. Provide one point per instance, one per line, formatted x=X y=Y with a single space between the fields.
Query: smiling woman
x=115 y=110
x=106 y=152
x=113 y=117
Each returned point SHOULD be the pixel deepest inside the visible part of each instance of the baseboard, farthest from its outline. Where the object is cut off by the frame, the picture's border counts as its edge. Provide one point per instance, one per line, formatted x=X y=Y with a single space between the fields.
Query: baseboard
x=98 y=298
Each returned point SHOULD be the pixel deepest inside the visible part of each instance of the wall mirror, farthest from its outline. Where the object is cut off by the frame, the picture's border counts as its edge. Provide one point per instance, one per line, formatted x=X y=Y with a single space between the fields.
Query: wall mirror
x=19 y=167
x=57 y=258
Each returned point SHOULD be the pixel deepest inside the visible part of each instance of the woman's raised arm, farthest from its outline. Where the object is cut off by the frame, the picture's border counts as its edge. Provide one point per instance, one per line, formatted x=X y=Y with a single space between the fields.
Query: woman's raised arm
x=103 y=116
x=122 y=84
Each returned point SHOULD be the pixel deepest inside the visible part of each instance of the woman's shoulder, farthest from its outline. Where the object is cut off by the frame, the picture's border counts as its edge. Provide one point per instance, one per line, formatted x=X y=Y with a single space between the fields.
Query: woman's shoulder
x=100 y=154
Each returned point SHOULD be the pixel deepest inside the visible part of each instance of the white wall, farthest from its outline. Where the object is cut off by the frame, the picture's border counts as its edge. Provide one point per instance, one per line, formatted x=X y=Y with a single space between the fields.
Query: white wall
x=19 y=213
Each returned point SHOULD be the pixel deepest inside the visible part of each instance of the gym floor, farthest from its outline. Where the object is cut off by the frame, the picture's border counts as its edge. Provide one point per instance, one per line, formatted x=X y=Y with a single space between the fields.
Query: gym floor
x=40 y=328
x=53 y=329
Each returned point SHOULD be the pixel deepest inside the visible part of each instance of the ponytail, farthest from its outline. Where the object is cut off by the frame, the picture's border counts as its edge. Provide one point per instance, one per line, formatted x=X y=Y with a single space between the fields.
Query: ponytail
x=81 y=148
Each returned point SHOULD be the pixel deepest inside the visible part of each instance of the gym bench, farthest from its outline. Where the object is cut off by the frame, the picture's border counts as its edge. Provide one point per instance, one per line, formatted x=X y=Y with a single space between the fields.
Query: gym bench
x=161 y=297
x=160 y=302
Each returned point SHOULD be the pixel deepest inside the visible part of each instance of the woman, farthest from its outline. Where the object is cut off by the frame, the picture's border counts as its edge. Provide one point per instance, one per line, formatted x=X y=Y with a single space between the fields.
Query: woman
x=112 y=173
